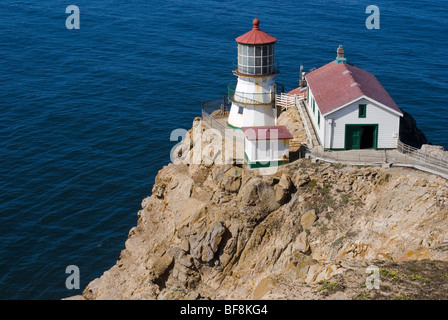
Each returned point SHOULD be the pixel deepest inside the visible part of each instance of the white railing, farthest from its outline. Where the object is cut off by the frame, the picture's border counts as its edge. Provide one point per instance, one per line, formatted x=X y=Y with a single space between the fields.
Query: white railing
x=208 y=110
x=305 y=123
x=286 y=101
x=424 y=159
x=403 y=156
x=410 y=156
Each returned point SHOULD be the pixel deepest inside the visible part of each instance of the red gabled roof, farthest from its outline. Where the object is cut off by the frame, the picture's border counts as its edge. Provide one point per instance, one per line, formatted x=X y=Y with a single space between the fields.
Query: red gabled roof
x=299 y=91
x=336 y=84
x=256 y=36
x=266 y=133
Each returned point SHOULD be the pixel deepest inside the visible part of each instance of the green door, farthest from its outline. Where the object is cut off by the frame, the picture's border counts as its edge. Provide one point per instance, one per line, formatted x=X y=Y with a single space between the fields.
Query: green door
x=361 y=136
x=352 y=137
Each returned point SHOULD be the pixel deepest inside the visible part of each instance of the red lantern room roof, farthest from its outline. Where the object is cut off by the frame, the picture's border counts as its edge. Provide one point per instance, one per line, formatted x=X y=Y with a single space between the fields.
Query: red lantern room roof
x=256 y=36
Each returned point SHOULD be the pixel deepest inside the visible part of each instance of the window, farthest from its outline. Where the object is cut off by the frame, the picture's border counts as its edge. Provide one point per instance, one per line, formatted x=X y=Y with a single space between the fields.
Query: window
x=314 y=106
x=256 y=59
x=362 y=111
x=240 y=110
x=318 y=118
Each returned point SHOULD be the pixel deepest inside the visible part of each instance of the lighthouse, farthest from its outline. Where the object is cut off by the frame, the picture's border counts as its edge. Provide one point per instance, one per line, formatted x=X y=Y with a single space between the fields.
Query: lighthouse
x=253 y=96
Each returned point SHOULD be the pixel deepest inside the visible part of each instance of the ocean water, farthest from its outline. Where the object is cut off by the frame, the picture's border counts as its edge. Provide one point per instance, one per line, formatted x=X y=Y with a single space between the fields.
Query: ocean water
x=86 y=115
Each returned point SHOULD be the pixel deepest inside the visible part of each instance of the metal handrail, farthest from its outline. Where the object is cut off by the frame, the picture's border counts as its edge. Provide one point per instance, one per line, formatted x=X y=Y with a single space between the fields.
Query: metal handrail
x=253 y=98
x=422 y=157
x=207 y=109
x=305 y=122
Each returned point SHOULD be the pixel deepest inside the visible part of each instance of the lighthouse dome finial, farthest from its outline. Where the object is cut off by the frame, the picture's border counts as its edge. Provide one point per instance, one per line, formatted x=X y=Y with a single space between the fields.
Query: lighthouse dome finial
x=256 y=36
x=256 y=23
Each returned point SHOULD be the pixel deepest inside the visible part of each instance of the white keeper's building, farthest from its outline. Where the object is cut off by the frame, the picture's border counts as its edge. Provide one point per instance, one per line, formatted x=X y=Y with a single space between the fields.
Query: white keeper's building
x=350 y=109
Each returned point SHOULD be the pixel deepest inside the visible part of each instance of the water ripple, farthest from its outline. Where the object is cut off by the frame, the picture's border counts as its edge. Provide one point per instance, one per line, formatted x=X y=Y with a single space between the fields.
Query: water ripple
x=87 y=114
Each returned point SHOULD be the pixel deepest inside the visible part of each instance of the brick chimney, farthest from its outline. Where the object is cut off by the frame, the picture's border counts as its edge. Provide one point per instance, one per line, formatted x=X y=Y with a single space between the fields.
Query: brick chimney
x=340 y=57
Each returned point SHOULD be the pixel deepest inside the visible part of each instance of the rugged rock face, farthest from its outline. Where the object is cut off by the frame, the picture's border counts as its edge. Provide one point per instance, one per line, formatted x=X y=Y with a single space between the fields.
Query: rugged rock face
x=410 y=133
x=435 y=151
x=307 y=231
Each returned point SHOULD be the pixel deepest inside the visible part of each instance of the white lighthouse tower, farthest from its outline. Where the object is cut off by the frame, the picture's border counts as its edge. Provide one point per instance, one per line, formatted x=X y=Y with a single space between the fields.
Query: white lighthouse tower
x=253 y=96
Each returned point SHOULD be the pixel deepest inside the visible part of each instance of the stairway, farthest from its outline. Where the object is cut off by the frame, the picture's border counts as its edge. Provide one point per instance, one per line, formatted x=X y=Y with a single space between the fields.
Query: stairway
x=286 y=101
x=308 y=124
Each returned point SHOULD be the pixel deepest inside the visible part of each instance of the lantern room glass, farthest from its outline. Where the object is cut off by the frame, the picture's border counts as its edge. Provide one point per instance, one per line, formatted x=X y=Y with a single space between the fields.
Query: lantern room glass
x=256 y=59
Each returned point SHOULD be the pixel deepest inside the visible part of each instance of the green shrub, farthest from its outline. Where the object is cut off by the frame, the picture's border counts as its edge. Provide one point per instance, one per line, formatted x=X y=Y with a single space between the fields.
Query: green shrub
x=389 y=273
x=327 y=285
x=344 y=198
x=312 y=183
x=415 y=277
x=362 y=296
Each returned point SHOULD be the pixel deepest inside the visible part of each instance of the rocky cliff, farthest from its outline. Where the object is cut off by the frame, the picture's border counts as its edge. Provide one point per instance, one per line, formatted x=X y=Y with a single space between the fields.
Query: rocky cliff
x=410 y=133
x=307 y=231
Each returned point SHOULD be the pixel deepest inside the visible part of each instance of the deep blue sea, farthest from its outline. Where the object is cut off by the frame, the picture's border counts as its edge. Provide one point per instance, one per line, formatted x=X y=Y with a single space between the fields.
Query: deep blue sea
x=86 y=115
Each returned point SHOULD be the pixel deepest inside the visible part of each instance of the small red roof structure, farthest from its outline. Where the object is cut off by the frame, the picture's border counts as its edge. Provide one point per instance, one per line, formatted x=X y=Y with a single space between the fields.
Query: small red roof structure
x=336 y=84
x=256 y=36
x=266 y=133
x=299 y=91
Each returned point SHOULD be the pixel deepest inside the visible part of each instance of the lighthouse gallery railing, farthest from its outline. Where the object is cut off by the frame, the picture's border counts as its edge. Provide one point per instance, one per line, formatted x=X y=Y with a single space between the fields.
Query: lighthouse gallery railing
x=253 y=98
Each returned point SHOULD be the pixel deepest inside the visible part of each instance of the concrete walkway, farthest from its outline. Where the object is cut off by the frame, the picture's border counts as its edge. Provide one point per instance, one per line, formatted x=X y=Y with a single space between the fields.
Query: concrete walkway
x=365 y=156
x=316 y=152
x=374 y=157
x=370 y=156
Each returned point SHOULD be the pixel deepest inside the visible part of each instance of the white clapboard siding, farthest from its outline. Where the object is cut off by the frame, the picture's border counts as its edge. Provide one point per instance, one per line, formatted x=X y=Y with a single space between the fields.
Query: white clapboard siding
x=388 y=124
x=319 y=129
x=266 y=150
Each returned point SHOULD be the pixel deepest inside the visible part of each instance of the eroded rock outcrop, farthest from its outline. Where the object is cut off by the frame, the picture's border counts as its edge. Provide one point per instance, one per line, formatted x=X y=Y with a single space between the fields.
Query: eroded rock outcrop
x=227 y=232
x=410 y=133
